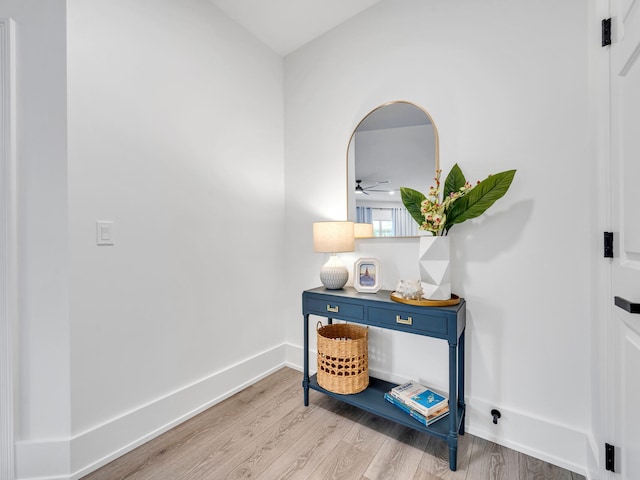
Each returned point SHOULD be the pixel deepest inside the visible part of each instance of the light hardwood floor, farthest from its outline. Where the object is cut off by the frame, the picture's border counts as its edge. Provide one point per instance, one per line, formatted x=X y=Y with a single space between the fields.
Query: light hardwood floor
x=265 y=433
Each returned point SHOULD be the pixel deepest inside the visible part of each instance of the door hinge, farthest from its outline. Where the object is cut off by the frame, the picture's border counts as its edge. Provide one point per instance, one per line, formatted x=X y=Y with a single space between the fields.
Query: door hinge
x=606 y=32
x=609 y=457
x=608 y=244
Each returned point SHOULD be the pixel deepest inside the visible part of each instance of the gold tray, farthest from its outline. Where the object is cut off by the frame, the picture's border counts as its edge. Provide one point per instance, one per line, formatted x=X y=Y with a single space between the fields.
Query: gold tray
x=454 y=300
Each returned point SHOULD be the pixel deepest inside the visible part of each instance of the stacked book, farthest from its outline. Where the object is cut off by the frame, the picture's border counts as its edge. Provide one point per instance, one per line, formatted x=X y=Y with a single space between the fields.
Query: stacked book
x=421 y=402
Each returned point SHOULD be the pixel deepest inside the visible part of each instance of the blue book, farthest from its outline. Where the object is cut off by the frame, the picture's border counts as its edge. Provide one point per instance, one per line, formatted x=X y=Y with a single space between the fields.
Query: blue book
x=443 y=412
x=419 y=397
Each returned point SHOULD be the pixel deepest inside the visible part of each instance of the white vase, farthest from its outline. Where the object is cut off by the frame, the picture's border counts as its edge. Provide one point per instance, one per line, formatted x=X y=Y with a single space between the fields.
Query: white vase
x=435 y=272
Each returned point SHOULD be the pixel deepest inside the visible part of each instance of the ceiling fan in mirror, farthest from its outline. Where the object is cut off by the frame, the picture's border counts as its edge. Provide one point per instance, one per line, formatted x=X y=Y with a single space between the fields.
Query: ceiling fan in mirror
x=371 y=188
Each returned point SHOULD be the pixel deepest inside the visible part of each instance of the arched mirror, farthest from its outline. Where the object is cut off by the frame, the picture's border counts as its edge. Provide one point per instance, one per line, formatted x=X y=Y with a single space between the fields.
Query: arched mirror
x=395 y=145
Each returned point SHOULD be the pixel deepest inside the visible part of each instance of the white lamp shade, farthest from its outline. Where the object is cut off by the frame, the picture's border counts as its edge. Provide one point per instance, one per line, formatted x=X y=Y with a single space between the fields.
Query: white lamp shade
x=333 y=237
x=363 y=230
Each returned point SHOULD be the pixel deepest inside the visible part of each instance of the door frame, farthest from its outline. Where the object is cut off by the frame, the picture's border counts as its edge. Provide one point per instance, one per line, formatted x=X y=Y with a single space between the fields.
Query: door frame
x=602 y=359
x=8 y=247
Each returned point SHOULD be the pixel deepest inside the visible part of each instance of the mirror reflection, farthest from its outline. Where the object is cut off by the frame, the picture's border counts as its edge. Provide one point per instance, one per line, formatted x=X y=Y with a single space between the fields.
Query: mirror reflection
x=395 y=145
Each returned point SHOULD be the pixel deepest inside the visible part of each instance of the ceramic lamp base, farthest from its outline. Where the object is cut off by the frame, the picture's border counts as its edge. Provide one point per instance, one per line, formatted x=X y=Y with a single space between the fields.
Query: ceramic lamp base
x=334 y=274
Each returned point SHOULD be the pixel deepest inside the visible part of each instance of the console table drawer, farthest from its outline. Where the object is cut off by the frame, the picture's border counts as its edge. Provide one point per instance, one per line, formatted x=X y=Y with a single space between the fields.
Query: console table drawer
x=332 y=309
x=409 y=320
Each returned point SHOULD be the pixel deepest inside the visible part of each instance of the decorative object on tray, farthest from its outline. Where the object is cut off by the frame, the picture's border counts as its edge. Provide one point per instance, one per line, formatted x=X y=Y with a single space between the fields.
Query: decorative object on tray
x=367 y=275
x=440 y=210
x=409 y=289
x=333 y=237
x=423 y=302
x=343 y=357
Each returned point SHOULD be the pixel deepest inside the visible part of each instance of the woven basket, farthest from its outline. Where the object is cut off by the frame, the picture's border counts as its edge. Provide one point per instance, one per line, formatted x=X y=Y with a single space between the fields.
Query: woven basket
x=343 y=358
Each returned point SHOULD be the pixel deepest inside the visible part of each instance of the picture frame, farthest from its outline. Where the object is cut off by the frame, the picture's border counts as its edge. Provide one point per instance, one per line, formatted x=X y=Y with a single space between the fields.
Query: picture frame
x=367 y=275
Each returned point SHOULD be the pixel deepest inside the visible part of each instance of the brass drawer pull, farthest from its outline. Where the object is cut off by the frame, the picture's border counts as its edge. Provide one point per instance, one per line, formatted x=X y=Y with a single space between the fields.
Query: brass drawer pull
x=408 y=321
x=335 y=309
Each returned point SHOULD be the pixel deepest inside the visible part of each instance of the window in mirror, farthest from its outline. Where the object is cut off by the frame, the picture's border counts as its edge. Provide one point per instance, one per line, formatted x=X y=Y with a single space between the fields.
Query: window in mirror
x=382 y=221
x=396 y=145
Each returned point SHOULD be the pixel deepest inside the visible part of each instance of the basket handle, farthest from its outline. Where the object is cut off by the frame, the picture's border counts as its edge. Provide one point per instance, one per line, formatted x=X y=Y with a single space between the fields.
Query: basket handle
x=318 y=325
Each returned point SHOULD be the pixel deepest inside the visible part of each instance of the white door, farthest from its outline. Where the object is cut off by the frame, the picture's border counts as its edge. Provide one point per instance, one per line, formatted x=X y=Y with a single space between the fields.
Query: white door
x=625 y=157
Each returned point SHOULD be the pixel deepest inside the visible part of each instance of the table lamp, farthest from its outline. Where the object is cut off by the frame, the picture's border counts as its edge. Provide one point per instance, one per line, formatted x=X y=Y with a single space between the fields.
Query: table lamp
x=333 y=237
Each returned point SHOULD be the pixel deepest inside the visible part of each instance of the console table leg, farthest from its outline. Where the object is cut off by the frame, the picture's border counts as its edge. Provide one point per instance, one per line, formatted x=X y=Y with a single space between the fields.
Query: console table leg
x=452 y=440
x=305 y=378
x=453 y=453
x=461 y=380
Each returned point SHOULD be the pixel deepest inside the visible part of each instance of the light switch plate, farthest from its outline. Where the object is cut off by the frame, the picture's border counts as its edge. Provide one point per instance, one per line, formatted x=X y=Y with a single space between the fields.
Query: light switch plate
x=104 y=233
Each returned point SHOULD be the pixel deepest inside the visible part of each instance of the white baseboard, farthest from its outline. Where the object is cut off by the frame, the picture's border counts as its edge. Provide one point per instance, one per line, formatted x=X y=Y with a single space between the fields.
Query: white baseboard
x=541 y=438
x=71 y=459
x=47 y=459
x=549 y=441
x=593 y=459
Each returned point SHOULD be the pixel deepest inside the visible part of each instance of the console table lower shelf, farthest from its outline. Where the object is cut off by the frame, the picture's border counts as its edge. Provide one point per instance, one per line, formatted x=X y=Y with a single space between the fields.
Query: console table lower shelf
x=372 y=400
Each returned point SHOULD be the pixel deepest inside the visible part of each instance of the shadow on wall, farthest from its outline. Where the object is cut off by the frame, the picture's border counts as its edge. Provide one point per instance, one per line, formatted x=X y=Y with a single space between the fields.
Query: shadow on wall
x=481 y=244
x=481 y=233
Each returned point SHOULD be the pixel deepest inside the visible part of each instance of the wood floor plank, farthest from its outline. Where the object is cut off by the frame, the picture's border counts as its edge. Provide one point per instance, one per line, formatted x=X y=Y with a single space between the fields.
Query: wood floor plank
x=312 y=449
x=399 y=456
x=217 y=450
x=533 y=469
x=344 y=462
x=436 y=458
x=266 y=433
x=492 y=462
x=255 y=459
x=145 y=460
x=369 y=434
x=424 y=475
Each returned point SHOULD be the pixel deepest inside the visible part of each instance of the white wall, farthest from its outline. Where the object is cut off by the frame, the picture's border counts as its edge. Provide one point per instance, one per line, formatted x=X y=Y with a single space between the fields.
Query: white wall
x=502 y=95
x=175 y=132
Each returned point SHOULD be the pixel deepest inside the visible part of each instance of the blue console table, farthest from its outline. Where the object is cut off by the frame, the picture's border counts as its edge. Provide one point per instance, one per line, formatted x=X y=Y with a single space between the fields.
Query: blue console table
x=378 y=310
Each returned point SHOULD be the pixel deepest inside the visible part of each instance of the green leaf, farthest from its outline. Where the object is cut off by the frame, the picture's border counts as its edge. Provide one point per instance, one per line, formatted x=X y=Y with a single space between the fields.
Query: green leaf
x=454 y=182
x=412 y=200
x=480 y=198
